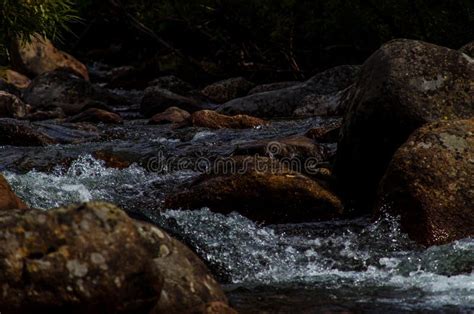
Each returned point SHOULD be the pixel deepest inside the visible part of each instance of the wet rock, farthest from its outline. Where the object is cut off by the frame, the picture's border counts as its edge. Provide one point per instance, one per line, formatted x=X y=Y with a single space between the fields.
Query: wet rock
x=14 y=78
x=46 y=114
x=296 y=147
x=188 y=285
x=40 y=56
x=429 y=183
x=11 y=106
x=95 y=115
x=272 y=86
x=223 y=91
x=67 y=91
x=261 y=189
x=325 y=134
x=22 y=133
x=9 y=88
x=82 y=258
x=171 y=115
x=283 y=102
x=173 y=84
x=69 y=133
x=213 y=120
x=402 y=86
x=157 y=100
x=468 y=49
x=8 y=199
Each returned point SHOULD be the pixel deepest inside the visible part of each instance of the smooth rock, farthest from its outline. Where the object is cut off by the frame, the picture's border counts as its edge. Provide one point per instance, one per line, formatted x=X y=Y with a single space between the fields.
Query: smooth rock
x=325 y=134
x=430 y=183
x=468 y=49
x=16 y=79
x=8 y=198
x=21 y=133
x=283 y=102
x=402 y=86
x=261 y=189
x=213 y=120
x=170 y=115
x=272 y=86
x=95 y=115
x=156 y=100
x=173 y=84
x=40 y=56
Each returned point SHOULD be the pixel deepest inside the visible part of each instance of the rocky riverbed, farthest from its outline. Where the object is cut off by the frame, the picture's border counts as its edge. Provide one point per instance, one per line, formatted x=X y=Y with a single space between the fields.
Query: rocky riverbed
x=350 y=192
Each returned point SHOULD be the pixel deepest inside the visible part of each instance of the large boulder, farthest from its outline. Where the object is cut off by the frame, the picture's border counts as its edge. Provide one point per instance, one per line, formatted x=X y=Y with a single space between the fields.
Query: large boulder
x=22 y=133
x=173 y=84
x=93 y=258
x=39 y=56
x=11 y=106
x=8 y=198
x=66 y=90
x=430 y=183
x=262 y=189
x=402 y=86
x=213 y=120
x=323 y=105
x=156 y=100
x=223 y=91
x=283 y=102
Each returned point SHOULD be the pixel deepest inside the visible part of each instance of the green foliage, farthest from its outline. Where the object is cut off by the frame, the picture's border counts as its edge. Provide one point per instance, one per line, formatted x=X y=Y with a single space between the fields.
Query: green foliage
x=22 y=18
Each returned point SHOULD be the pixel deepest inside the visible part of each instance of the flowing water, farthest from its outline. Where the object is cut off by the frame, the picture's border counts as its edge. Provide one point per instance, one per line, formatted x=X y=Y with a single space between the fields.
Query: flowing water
x=344 y=266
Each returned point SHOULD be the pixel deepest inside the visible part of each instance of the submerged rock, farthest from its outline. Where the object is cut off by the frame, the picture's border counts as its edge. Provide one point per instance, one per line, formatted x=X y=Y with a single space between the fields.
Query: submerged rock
x=261 y=189
x=283 y=102
x=430 y=183
x=93 y=258
x=8 y=199
x=40 y=56
x=95 y=115
x=157 y=100
x=223 y=91
x=171 y=115
x=402 y=86
x=213 y=120
x=11 y=106
x=67 y=91
x=22 y=133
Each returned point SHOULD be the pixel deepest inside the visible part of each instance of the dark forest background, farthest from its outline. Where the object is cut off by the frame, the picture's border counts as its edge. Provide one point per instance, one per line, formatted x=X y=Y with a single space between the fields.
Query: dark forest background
x=263 y=40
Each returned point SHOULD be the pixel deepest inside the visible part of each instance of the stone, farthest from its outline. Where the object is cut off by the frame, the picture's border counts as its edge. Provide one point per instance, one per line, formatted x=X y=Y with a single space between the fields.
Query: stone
x=170 y=115
x=11 y=106
x=14 y=78
x=66 y=90
x=261 y=189
x=429 y=183
x=322 y=105
x=21 y=133
x=213 y=120
x=223 y=91
x=156 y=100
x=95 y=115
x=8 y=198
x=402 y=86
x=325 y=134
x=40 y=56
x=272 y=86
x=283 y=102
x=468 y=49
x=173 y=84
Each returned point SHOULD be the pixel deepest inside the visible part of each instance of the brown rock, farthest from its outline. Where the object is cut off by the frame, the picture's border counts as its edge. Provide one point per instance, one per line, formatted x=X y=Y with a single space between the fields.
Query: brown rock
x=11 y=106
x=430 y=183
x=40 y=56
x=170 y=115
x=223 y=91
x=261 y=189
x=8 y=199
x=188 y=285
x=21 y=133
x=87 y=258
x=156 y=100
x=16 y=79
x=325 y=134
x=95 y=115
x=402 y=86
x=213 y=120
